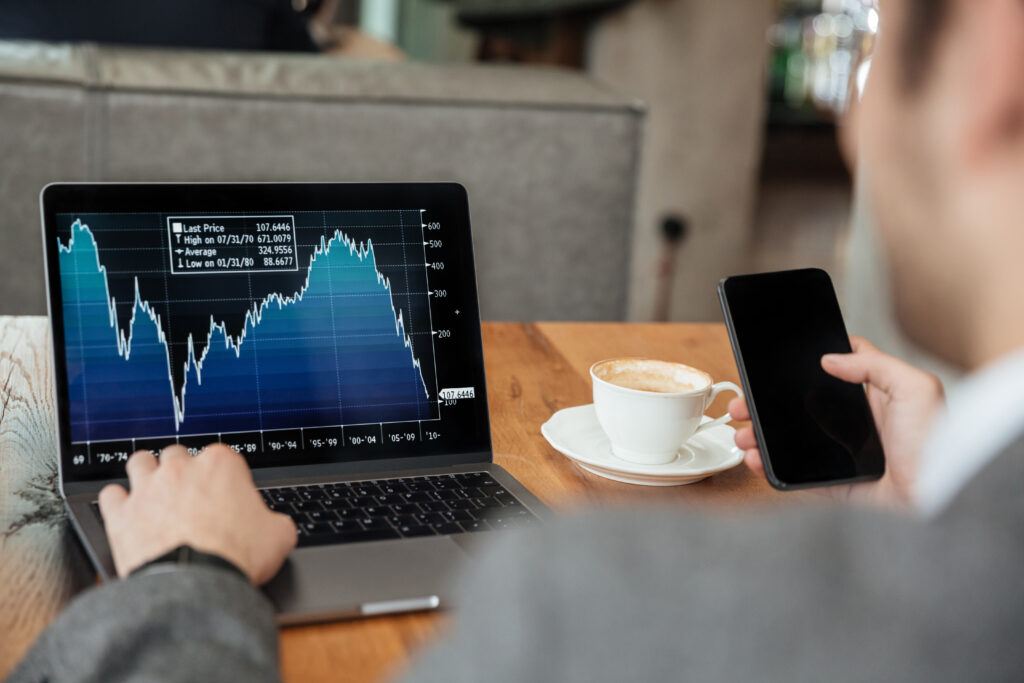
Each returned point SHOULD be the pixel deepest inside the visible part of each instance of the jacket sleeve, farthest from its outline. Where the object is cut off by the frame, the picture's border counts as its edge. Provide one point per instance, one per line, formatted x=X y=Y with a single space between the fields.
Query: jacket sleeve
x=186 y=624
x=807 y=593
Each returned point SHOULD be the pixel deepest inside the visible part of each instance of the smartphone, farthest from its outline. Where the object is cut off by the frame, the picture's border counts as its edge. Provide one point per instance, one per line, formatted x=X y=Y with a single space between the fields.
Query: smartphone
x=812 y=429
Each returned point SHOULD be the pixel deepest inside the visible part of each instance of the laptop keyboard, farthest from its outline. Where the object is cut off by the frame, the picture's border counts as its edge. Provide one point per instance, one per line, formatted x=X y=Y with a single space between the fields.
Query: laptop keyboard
x=360 y=511
x=354 y=512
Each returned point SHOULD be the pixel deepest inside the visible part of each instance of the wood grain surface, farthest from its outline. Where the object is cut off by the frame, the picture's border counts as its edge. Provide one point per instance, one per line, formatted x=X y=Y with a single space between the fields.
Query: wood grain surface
x=41 y=567
x=533 y=370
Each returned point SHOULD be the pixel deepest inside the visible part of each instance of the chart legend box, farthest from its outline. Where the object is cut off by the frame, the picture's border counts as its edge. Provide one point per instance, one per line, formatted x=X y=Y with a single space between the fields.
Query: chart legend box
x=232 y=244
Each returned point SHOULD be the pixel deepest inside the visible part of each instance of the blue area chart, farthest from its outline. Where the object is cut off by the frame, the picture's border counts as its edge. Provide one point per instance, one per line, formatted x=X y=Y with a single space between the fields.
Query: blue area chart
x=336 y=352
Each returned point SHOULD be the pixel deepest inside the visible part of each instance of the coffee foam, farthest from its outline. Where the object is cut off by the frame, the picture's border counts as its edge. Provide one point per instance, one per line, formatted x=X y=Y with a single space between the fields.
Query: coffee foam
x=652 y=375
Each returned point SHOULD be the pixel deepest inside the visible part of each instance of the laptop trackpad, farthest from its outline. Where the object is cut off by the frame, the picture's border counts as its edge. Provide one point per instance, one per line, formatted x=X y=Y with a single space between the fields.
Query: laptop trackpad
x=346 y=581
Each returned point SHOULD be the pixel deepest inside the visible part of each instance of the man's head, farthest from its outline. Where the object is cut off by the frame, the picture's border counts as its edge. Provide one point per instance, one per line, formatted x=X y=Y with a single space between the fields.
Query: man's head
x=943 y=139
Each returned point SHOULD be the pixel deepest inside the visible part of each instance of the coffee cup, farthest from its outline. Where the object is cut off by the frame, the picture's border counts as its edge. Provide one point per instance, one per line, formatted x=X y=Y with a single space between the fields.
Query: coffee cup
x=649 y=408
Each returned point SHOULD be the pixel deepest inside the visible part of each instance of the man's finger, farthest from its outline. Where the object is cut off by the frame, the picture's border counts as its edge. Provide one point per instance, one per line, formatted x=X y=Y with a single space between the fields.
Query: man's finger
x=172 y=453
x=139 y=465
x=217 y=450
x=745 y=439
x=752 y=459
x=738 y=409
x=865 y=367
x=222 y=455
x=288 y=534
x=111 y=498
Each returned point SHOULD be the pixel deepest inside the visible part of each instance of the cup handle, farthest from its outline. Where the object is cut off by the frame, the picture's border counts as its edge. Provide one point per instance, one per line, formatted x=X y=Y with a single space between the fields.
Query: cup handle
x=715 y=391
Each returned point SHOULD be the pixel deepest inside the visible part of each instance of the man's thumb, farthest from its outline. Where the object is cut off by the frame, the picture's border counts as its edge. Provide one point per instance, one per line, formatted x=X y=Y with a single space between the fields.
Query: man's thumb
x=861 y=368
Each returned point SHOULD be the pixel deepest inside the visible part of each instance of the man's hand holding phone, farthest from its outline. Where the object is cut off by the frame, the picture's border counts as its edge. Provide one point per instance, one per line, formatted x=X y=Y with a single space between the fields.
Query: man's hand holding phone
x=903 y=401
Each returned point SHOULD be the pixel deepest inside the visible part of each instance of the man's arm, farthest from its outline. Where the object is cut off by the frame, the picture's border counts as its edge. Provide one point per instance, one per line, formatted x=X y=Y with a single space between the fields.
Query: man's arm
x=167 y=622
x=813 y=594
x=186 y=624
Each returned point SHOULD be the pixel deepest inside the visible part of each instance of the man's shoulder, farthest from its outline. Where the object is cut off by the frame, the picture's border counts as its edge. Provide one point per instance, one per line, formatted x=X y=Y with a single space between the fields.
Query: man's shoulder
x=808 y=588
x=782 y=593
x=994 y=493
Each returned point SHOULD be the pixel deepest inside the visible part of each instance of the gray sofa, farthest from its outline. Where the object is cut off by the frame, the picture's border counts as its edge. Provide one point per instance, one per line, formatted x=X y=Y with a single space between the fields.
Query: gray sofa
x=549 y=157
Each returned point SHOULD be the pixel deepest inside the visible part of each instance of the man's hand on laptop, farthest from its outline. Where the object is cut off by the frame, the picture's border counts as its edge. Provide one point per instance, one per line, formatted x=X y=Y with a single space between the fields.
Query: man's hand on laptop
x=208 y=502
x=903 y=399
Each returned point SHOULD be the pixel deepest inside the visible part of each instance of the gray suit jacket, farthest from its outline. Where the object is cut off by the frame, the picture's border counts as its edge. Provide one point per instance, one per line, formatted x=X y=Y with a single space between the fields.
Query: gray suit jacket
x=810 y=594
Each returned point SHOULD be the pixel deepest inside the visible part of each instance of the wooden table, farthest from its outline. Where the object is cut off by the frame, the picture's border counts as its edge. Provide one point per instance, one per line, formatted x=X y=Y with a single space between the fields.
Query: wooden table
x=532 y=371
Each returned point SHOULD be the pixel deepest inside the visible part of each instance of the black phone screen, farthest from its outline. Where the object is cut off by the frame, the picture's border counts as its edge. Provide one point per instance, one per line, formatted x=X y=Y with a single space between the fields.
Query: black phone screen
x=812 y=428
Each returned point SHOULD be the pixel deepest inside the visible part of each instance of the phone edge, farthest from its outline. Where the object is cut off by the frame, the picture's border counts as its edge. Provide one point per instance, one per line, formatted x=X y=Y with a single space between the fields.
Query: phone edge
x=723 y=301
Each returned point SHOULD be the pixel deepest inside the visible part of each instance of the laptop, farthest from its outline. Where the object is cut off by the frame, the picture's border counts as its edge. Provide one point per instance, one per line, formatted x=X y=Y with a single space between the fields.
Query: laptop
x=328 y=332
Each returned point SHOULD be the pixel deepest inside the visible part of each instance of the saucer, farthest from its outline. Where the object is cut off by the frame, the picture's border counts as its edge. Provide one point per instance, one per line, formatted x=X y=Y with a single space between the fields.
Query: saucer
x=575 y=433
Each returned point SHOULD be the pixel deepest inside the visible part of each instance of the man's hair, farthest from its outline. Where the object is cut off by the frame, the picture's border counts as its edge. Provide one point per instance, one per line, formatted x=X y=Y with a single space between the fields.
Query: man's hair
x=924 y=21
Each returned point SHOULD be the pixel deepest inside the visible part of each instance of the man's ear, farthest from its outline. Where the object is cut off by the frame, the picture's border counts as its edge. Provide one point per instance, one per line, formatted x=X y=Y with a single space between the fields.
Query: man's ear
x=994 y=126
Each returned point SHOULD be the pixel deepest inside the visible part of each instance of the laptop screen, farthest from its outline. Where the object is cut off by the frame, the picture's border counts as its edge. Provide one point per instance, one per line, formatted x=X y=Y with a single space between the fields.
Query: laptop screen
x=298 y=324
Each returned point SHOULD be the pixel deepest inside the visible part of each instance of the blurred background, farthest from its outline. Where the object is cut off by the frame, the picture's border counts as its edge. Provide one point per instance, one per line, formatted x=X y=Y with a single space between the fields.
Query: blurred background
x=621 y=155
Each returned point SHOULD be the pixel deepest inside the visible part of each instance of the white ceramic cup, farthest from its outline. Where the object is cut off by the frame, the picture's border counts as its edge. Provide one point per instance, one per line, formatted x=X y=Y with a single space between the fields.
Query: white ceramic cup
x=647 y=424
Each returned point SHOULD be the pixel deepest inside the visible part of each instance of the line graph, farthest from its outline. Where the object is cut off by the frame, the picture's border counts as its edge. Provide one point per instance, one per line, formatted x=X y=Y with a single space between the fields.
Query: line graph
x=152 y=354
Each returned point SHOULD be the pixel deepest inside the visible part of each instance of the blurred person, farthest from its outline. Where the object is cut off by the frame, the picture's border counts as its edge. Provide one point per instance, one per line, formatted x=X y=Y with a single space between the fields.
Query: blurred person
x=271 y=25
x=332 y=23
x=919 y=582
x=205 y=24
